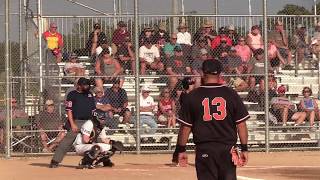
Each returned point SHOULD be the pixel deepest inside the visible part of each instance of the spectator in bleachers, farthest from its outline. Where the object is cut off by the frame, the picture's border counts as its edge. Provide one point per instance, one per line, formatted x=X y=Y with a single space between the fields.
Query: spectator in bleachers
x=309 y=105
x=177 y=65
x=232 y=62
x=280 y=39
x=17 y=112
x=126 y=56
x=119 y=36
x=107 y=67
x=119 y=101
x=301 y=42
x=223 y=48
x=206 y=31
x=197 y=65
x=161 y=37
x=284 y=109
x=54 y=41
x=167 y=109
x=168 y=47
x=243 y=50
x=103 y=103
x=221 y=38
x=196 y=49
x=316 y=34
x=274 y=55
x=99 y=49
x=233 y=35
x=147 y=33
x=96 y=38
x=237 y=83
x=184 y=37
x=147 y=110
x=73 y=67
x=50 y=119
x=254 y=38
x=150 y=57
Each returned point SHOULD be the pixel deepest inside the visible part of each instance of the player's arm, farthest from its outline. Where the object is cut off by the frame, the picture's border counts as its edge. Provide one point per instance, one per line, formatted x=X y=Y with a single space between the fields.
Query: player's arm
x=68 y=103
x=183 y=135
x=243 y=132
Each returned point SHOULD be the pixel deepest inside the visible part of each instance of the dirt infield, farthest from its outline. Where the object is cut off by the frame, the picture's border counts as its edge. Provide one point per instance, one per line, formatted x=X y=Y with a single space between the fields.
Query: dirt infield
x=279 y=166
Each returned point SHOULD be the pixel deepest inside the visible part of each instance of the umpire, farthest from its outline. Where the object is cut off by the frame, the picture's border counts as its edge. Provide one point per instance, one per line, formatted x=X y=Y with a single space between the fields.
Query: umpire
x=79 y=106
x=214 y=113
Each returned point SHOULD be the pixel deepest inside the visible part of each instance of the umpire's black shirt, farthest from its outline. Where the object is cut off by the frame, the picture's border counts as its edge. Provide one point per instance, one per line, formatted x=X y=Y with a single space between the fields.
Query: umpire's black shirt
x=213 y=112
x=81 y=105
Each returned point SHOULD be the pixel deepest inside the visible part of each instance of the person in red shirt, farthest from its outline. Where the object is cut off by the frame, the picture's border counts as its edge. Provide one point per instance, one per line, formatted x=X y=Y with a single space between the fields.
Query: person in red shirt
x=167 y=109
x=54 y=41
x=222 y=35
x=119 y=36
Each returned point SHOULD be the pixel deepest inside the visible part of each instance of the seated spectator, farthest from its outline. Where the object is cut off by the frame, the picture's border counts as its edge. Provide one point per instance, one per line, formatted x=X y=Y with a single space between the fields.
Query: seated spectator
x=99 y=49
x=309 y=105
x=243 y=50
x=73 y=67
x=280 y=38
x=221 y=38
x=232 y=63
x=233 y=35
x=238 y=83
x=254 y=38
x=196 y=49
x=167 y=109
x=147 y=110
x=207 y=32
x=119 y=101
x=150 y=57
x=161 y=37
x=54 y=41
x=96 y=38
x=168 y=47
x=274 y=55
x=177 y=65
x=50 y=119
x=147 y=33
x=315 y=49
x=107 y=67
x=119 y=36
x=301 y=42
x=222 y=49
x=103 y=104
x=197 y=66
x=284 y=109
x=126 y=56
x=16 y=111
x=183 y=36
x=316 y=34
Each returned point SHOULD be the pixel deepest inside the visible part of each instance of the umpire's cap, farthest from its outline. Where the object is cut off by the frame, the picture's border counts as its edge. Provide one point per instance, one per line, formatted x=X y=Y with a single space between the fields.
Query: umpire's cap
x=83 y=81
x=212 y=66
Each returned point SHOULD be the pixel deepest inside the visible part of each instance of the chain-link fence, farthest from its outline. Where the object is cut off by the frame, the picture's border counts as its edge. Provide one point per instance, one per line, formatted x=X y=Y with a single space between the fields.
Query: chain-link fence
x=168 y=49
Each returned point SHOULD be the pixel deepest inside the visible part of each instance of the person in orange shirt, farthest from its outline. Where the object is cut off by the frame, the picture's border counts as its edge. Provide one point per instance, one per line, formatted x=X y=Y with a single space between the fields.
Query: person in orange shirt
x=54 y=41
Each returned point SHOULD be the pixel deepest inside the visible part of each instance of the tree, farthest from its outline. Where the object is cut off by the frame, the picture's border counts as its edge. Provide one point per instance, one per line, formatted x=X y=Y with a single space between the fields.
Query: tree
x=291 y=9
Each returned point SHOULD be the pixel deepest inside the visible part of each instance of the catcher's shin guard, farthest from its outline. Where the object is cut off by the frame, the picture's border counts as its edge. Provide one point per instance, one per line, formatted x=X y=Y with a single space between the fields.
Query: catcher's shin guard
x=89 y=157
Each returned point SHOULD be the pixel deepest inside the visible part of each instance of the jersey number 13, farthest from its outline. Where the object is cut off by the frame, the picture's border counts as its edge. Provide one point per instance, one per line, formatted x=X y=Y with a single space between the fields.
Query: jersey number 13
x=221 y=113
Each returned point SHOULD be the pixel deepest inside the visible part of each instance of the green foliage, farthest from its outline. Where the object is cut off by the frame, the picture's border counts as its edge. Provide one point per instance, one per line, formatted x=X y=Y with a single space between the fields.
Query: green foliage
x=291 y=9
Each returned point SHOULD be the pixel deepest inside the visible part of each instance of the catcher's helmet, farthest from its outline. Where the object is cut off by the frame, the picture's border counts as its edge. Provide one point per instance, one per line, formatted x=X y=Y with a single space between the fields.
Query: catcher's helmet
x=99 y=117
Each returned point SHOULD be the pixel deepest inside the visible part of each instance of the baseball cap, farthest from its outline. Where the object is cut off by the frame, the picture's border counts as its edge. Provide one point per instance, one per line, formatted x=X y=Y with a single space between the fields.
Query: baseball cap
x=145 y=88
x=212 y=66
x=84 y=81
x=122 y=24
x=282 y=89
x=49 y=102
x=177 y=48
x=301 y=26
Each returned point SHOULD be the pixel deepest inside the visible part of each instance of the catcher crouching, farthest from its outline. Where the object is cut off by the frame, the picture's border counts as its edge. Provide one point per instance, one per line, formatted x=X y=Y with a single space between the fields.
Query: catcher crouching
x=93 y=144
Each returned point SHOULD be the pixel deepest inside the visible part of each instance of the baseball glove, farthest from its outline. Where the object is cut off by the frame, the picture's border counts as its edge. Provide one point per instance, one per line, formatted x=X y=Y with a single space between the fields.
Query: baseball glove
x=117 y=146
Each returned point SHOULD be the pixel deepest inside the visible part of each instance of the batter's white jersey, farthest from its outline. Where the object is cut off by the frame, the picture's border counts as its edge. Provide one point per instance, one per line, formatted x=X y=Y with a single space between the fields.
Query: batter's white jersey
x=86 y=129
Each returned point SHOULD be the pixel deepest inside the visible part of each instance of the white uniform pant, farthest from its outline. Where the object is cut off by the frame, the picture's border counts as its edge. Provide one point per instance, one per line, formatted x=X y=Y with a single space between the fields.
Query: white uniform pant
x=81 y=148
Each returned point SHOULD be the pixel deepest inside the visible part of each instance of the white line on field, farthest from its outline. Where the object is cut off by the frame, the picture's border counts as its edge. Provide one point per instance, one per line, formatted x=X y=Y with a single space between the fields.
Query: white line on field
x=246 y=178
x=266 y=167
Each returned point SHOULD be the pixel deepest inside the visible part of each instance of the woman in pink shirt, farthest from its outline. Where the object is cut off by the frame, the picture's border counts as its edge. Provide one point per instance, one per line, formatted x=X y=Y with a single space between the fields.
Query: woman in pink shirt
x=254 y=38
x=274 y=55
x=243 y=50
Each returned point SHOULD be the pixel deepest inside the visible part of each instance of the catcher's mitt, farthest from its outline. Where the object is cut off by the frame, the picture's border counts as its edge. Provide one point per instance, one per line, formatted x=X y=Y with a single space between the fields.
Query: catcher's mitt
x=117 y=146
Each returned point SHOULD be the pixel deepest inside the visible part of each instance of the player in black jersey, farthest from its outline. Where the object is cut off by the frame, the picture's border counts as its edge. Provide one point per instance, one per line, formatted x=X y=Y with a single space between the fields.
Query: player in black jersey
x=216 y=116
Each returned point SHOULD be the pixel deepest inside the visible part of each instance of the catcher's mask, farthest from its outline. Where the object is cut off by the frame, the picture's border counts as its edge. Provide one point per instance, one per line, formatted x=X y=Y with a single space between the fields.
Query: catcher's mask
x=99 y=117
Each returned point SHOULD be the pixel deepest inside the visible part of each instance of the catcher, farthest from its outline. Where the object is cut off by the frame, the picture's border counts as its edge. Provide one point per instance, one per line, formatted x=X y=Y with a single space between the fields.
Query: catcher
x=92 y=143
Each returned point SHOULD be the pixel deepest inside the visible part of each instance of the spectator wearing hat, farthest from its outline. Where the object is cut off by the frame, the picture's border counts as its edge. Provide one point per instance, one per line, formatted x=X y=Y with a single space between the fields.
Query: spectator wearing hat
x=254 y=39
x=54 y=41
x=119 y=36
x=196 y=49
x=73 y=67
x=221 y=38
x=206 y=31
x=233 y=35
x=107 y=67
x=96 y=38
x=283 y=109
x=161 y=37
x=243 y=50
x=309 y=105
x=169 y=47
x=184 y=37
x=126 y=56
x=150 y=57
x=99 y=49
x=147 y=110
x=147 y=33
x=280 y=38
x=232 y=62
x=50 y=119
x=301 y=42
x=177 y=66
x=119 y=101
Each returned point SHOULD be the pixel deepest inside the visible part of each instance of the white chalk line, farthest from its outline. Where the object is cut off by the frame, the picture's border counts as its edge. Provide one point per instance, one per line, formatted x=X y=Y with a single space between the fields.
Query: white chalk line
x=246 y=178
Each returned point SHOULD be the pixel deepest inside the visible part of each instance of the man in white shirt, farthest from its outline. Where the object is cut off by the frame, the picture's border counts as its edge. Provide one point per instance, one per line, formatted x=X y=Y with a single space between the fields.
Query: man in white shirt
x=147 y=108
x=183 y=36
x=150 y=57
x=93 y=144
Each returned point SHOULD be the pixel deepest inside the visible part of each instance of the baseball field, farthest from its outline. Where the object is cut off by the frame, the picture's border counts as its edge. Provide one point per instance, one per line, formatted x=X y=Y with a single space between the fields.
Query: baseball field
x=272 y=166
